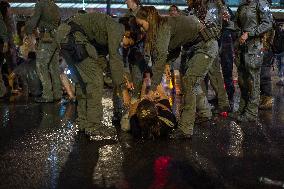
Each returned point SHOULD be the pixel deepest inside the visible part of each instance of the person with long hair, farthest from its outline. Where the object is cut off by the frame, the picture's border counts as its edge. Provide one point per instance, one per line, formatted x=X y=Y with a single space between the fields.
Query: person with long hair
x=164 y=37
x=151 y=116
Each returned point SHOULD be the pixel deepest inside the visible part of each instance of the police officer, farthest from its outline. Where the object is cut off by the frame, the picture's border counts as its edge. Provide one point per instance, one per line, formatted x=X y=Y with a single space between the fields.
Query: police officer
x=215 y=11
x=166 y=34
x=46 y=18
x=252 y=18
x=85 y=41
x=211 y=14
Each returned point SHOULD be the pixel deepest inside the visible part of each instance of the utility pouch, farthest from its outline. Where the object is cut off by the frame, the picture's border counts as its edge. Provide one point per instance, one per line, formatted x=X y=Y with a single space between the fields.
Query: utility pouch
x=210 y=32
x=253 y=61
x=77 y=51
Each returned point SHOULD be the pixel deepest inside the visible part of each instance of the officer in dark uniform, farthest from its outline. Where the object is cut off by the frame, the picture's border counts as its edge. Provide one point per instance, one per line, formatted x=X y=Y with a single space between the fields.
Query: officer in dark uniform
x=210 y=14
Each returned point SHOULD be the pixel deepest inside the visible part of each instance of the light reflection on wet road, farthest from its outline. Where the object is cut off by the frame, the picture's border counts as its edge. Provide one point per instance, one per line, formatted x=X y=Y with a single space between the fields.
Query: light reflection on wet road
x=40 y=147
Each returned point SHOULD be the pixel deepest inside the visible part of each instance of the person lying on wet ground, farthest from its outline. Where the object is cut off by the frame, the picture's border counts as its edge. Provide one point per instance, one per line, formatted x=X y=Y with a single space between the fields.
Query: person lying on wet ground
x=151 y=116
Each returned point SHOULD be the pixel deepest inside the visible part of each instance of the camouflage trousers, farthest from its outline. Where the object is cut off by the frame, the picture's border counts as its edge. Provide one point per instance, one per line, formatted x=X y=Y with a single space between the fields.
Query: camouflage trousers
x=248 y=62
x=197 y=67
x=47 y=65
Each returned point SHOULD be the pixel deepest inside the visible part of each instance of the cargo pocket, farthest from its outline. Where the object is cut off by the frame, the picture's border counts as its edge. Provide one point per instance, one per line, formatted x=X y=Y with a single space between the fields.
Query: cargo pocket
x=253 y=61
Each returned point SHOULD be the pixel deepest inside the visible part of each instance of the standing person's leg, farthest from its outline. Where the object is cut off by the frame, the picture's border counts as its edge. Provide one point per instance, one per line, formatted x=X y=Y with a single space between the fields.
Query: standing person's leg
x=90 y=110
x=202 y=105
x=252 y=64
x=227 y=67
x=254 y=94
x=227 y=61
x=242 y=81
x=198 y=67
x=266 y=101
x=44 y=55
x=217 y=82
x=55 y=75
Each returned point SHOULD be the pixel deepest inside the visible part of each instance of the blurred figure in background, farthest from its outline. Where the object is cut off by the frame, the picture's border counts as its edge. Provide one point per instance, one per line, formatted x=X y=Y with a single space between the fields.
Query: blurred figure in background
x=7 y=52
x=226 y=45
x=174 y=11
x=278 y=50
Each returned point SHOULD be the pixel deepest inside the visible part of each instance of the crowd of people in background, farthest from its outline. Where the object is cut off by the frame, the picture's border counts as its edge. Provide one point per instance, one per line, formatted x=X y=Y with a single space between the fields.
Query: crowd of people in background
x=150 y=58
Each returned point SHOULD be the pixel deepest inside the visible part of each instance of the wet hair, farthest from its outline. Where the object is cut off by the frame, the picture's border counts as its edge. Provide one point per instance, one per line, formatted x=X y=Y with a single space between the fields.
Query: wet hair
x=155 y=20
x=4 y=5
x=147 y=115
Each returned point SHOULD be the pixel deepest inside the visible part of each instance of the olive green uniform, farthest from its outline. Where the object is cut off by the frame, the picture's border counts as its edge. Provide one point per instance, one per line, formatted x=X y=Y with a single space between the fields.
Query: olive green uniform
x=251 y=17
x=100 y=35
x=3 y=38
x=47 y=18
x=215 y=73
x=176 y=32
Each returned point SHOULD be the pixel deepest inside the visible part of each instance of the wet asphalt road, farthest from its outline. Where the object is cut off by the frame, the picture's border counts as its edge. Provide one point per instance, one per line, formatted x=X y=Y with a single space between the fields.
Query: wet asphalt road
x=40 y=147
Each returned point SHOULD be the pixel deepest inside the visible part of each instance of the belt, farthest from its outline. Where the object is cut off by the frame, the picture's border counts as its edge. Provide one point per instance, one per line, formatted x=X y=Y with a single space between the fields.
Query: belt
x=194 y=42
